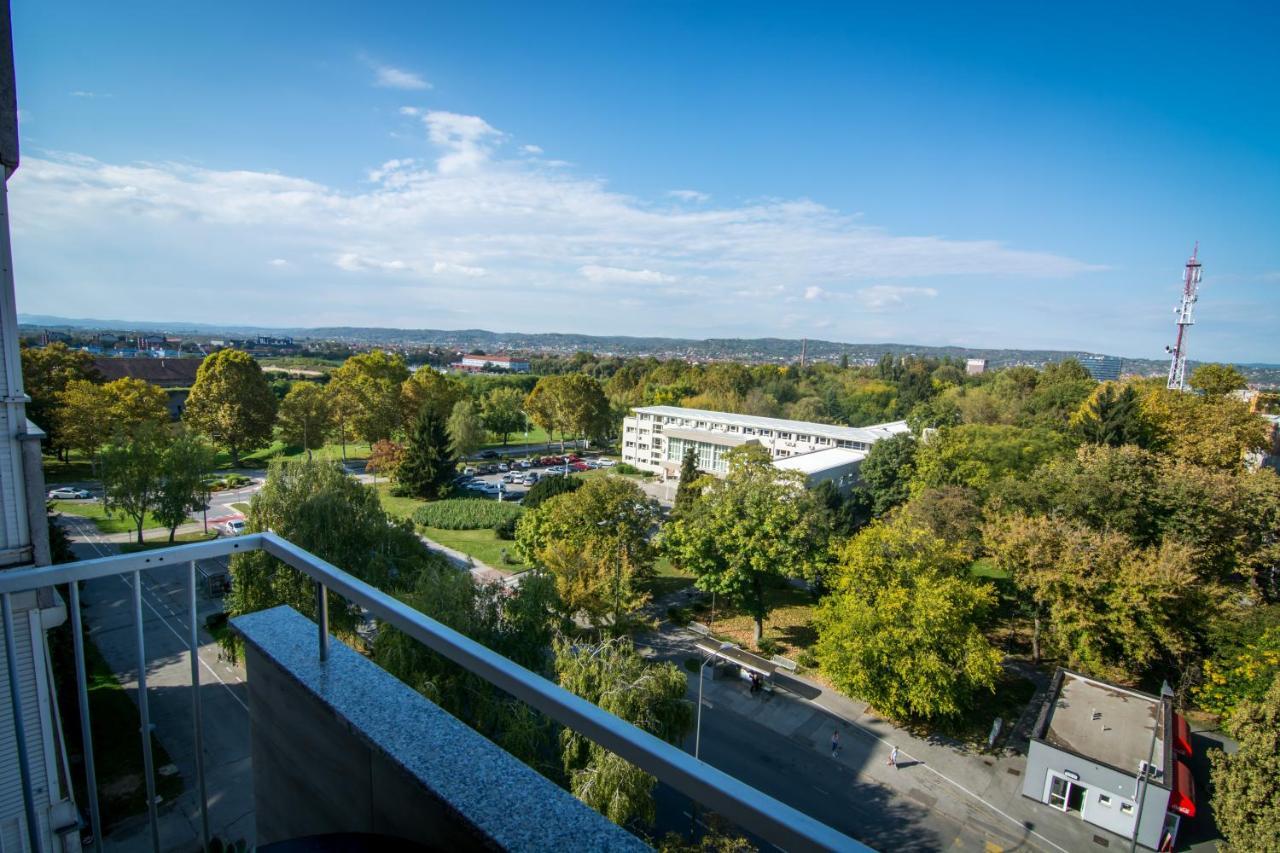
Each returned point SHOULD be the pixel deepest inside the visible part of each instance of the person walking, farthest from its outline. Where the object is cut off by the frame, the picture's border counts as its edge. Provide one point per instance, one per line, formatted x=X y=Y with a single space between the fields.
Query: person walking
x=893 y=758
x=835 y=743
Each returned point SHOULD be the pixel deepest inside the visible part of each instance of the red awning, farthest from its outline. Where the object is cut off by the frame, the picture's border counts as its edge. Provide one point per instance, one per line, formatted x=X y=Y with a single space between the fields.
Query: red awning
x=1183 y=800
x=1181 y=735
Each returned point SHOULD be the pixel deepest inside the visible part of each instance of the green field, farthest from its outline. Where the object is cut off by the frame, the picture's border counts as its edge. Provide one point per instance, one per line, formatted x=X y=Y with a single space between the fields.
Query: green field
x=116 y=522
x=985 y=567
x=483 y=545
x=395 y=506
x=279 y=450
x=75 y=470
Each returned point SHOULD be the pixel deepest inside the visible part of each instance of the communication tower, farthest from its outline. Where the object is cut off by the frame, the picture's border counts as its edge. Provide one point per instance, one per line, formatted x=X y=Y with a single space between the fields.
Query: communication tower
x=1190 y=293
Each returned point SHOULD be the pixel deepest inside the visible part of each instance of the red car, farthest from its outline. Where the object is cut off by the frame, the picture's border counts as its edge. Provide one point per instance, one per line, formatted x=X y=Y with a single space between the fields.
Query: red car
x=579 y=466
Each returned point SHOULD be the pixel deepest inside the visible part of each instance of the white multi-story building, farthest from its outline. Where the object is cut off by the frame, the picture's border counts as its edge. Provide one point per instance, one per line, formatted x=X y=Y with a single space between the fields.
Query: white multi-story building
x=656 y=438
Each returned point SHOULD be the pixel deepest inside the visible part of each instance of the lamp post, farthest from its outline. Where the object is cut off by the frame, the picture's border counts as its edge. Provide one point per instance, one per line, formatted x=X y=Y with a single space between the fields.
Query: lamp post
x=697 y=732
x=1144 y=770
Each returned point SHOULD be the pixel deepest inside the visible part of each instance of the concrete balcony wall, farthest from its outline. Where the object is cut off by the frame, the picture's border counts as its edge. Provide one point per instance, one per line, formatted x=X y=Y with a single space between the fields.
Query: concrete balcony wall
x=342 y=746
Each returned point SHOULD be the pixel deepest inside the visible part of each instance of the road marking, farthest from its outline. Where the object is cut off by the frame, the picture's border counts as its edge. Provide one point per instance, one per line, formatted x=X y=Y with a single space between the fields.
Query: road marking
x=212 y=671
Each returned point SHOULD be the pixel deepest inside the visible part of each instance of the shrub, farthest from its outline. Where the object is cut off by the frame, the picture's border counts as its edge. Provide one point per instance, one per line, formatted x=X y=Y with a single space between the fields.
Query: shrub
x=549 y=487
x=768 y=646
x=467 y=514
x=506 y=529
x=807 y=659
x=626 y=468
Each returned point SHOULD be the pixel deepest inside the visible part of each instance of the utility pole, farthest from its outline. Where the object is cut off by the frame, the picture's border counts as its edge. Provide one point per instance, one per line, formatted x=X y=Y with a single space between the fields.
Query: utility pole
x=1144 y=770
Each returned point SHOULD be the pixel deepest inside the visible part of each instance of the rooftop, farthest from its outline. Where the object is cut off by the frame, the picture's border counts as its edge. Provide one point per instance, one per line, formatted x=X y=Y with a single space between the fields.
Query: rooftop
x=867 y=434
x=820 y=460
x=1104 y=722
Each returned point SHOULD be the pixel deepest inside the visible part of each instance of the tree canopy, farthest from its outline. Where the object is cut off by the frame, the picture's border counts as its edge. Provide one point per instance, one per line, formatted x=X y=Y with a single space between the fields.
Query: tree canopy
x=231 y=402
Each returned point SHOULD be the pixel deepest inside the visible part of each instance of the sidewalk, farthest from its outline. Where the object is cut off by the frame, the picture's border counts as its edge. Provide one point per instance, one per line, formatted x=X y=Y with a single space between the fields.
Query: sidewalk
x=482 y=572
x=982 y=792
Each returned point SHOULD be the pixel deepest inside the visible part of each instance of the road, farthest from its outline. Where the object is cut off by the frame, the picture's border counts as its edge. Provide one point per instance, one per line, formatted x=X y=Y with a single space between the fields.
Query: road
x=108 y=613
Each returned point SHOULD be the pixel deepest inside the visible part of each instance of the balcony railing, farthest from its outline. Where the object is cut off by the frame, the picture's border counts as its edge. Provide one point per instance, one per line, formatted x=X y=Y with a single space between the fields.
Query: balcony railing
x=756 y=812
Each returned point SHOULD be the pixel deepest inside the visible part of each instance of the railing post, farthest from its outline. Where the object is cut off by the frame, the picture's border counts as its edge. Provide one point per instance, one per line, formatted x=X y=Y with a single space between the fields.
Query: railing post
x=86 y=730
x=196 y=718
x=144 y=715
x=34 y=836
x=322 y=619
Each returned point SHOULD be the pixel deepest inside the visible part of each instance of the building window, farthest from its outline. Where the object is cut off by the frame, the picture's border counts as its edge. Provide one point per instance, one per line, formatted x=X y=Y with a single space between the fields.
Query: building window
x=748 y=431
x=1126 y=808
x=1104 y=800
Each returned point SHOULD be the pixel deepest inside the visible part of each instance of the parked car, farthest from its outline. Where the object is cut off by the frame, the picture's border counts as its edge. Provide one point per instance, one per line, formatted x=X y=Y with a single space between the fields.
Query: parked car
x=234 y=527
x=530 y=478
x=469 y=471
x=67 y=493
x=508 y=478
x=608 y=463
x=525 y=464
x=488 y=454
x=503 y=466
x=579 y=466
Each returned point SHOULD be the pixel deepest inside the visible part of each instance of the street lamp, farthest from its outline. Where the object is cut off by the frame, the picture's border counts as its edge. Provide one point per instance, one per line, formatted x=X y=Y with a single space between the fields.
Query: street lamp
x=1144 y=769
x=697 y=735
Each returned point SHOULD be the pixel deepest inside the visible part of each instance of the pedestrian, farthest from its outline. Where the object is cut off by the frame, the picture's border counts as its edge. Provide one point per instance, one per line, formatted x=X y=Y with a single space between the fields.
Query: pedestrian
x=835 y=743
x=893 y=758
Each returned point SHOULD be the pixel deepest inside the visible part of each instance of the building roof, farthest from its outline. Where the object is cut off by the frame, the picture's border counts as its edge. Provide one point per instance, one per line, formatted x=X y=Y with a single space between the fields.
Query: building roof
x=867 y=435
x=1106 y=723
x=723 y=439
x=165 y=372
x=821 y=460
x=496 y=357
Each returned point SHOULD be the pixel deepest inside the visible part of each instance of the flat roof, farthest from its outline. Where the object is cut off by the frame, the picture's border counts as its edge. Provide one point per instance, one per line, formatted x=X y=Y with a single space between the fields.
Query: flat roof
x=867 y=434
x=1106 y=723
x=821 y=460
x=723 y=439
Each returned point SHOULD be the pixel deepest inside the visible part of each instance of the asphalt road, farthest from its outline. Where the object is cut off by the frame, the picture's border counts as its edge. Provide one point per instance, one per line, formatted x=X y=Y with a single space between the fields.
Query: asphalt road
x=109 y=615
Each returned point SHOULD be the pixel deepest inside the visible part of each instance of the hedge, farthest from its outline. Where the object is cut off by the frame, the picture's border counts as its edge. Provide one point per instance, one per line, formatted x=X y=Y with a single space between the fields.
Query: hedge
x=466 y=514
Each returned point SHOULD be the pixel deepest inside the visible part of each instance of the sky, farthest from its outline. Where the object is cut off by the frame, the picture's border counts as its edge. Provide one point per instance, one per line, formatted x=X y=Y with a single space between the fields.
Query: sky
x=987 y=175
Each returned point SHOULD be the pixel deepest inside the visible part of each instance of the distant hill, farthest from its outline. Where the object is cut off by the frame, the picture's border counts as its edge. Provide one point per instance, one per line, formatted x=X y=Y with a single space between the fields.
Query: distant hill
x=779 y=350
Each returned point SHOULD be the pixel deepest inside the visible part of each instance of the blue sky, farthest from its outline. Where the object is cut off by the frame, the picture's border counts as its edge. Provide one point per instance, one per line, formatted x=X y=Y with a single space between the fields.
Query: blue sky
x=985 y=175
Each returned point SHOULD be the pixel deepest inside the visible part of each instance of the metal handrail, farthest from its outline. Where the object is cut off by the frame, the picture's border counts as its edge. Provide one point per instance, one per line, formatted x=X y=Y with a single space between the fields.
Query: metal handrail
x=755 y=811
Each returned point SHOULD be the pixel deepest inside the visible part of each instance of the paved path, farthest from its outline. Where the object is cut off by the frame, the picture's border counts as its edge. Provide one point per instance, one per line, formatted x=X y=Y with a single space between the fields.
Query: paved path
x=108 y=613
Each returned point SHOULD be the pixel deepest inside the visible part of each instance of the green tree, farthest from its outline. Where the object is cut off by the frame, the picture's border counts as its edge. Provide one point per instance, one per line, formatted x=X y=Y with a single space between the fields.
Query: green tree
x=429 y=389
x=1217 y=380
x=952 y=514
x=503 y=412
x=316 y=506
x=757 y=525
x=46 y=372
x=595 y=541
x=428 y=463
x=1215 y=431
x=650 y=696
x=1113 y=417
x=131 y=475
x=1241 y=674
x=887 y=471
x=306 y=416
x=978 y=455
x=466 y=429
x=366 y=392
x=689 y=489
x=547 y=488
x=1246 y=783
x=902 y=627
x=83 y=417
x=571 y=403
x=231 y=402
x=185 y=461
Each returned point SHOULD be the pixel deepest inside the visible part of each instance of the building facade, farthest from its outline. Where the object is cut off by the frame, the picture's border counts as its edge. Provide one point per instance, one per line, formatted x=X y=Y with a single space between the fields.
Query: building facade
x=492 y=362
x=1104 y=368
x=656 y=438
x=1090 y=745
x=975 y=366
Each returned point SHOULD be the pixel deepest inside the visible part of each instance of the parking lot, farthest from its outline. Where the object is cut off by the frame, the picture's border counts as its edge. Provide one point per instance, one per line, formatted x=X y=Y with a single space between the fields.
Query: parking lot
x=510 y=479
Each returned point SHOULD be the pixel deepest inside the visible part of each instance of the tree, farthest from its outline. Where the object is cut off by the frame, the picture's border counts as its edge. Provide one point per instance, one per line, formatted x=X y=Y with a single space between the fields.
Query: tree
x=902 y=628
x=689 y=489
x=1246 y=783
x=503 y=412
x=183 y=465
x=1217 y=380
x=306 y=416
x=316 y=506
x=46 y=372
x=231 y=402
x=1113 y=417
x=595 y=541
x=887 y=471
x=428 y=463
x=429 y=389
x=366 y=394
x=548 y=487
x=466 y=430
x=385 y=457
x=978 y=455
x=131 y=475
x=570 y=403
x=650 y=696
x=951 y=513
x=1216 y=431
x=83 y=417
x=757 y=525
x=1242 y=674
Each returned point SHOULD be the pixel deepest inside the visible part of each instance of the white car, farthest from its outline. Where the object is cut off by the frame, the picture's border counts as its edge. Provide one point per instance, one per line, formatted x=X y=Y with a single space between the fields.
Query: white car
x=469 y=471
x=234 y=527
x=509 y=478
x=502 y=466
x=67 y=493
x=608 y=463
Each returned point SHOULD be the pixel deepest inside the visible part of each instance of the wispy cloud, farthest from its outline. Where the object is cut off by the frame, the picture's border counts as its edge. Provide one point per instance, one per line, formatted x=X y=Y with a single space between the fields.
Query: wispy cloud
x=689 y=195
x=882 y=297
x=82 y=93
x=390 y=77
x=466 y=140
x=531 y=149
x=619 y=275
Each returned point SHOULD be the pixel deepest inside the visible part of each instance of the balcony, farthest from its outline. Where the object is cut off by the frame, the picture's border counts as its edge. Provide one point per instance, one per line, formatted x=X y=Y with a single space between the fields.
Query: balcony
x=340 y=746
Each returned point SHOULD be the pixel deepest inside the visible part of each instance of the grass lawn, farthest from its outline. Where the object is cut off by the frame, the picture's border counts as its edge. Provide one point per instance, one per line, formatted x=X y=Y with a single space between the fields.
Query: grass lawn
x=76 y=470
x=537 y=435
x=790 y=621
x=161 y=540
x=241 y=506
x=397 y=507
x=117 y=522
x=279 y=450
x=985 y=567
x=667 y=579
x=484 y=545
x=117 y=750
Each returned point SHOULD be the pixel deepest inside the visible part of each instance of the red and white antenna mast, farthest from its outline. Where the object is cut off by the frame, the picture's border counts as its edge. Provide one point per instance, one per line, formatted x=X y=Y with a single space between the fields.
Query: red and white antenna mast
x=1190 y=293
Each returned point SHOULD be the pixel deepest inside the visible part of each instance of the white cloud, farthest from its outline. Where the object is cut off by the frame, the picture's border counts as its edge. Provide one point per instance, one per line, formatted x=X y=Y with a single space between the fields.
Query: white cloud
x=618 y=275
x=531 y=149
x=446 y=268
x=467 y=140
x=410 y=111
x=689 y=195
x=82 y=93
x=278 y=262
x=388 y=77
x=882 y=297
x=355 y=262
x=814 y=292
